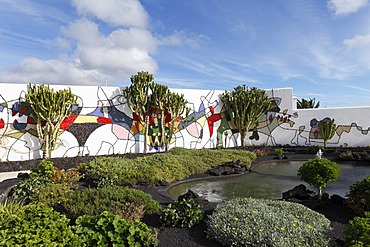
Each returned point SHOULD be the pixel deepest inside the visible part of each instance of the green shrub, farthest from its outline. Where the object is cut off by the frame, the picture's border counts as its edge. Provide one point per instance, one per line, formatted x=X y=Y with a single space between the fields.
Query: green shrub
x=108 y=229
x=51 y=194
x=129 y=203
x=176 y=164
x=357 y=231
x=36 y=186
x=359 y=196
x=313 y=149
x=262 y=222
x=26 y=188
x=319 y=173
x=44 y=169
x=183 y=214
x=279 y=152
x=36 y=225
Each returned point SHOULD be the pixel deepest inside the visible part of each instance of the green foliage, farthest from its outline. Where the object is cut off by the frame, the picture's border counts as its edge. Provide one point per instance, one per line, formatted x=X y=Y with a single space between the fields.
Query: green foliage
x=319 y=173
x=357 y=231
x=108 y=229
x=261 y=222
x=35 y=225
x=26 y=188
x=51 y=194
x=327 y=129
x=176 y=164
x=47 y=184
x=49 y=109
x=305 y=104
x=183 y=214
x=244 y=107
x=313 y=149
x=44 y=169
x=129 y=203
x=359 y=196
x=279 y=152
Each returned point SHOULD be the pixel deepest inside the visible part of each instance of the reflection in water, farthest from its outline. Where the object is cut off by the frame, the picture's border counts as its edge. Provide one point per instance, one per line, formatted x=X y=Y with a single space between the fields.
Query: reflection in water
x=268 y=180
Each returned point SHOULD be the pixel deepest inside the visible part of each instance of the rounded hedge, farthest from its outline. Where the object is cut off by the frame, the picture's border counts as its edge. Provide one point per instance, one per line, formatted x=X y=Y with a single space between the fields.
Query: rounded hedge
x=262 y=222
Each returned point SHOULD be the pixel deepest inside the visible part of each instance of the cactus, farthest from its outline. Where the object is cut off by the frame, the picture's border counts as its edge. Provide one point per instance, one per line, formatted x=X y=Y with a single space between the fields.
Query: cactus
x=176 y=105
x=157 y=101
x=137 y=96
x=327 y=129
x=49 y=109
x=244 y=107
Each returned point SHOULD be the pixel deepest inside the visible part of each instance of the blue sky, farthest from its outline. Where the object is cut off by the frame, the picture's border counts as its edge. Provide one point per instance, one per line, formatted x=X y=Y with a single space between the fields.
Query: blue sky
x=319 y=48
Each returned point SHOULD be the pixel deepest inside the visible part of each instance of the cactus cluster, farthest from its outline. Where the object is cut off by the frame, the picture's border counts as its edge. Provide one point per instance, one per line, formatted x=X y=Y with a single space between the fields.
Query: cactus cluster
x=49 y=109
x=145 y=97
x=244 y=107
x=327 y=129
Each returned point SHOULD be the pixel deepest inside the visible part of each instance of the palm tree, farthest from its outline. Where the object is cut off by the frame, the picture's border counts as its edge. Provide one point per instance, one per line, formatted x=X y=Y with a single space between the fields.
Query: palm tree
x=304 y=104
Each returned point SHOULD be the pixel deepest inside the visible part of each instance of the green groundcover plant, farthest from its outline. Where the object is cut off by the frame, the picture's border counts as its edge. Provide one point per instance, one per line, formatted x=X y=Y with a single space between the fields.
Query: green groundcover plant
x=176 y=164
x=357 y=231
x=109 y=229
x=262 y=222
x=183 y=214
x=35 y=225
x=130 y=204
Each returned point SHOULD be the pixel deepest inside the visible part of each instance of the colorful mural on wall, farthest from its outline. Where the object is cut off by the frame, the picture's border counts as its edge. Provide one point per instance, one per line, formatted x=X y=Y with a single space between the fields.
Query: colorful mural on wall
x=102 y=123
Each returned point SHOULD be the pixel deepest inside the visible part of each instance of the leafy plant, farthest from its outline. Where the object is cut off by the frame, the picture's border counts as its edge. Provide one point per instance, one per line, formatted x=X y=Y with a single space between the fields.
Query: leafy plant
x=108 y=229
x=244 y=107
x=279 y=152
x=327 y=129
x=262 y=222
x=262 y=152
x=44 y=169
x=51 y=194
x=49 y=109
x=304 y=104
x=357 y=231
x=183 y=214
x=40 y=185
x=129 y=203
x=35 y=225
x=359 y=196
x=319 y=173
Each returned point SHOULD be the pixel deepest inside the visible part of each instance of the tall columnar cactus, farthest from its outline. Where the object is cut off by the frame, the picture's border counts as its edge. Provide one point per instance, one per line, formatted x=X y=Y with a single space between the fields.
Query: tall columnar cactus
x=176 y=105
x=157 y=101
x=327 y=129
x=49 y=109
x=244 y=107
x=137 y=96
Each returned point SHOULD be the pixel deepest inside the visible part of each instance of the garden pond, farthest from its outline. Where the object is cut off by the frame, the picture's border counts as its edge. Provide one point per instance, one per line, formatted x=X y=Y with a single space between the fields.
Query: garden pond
x=268 y=180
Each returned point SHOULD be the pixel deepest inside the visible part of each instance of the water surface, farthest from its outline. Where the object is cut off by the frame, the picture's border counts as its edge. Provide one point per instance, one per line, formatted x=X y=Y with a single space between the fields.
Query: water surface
x=268 y=180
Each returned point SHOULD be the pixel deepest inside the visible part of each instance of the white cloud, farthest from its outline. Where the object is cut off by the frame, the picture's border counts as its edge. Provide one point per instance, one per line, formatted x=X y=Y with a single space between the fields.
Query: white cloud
x=345 y=7
x=90 y=56
x=116 y=12
x=359 y=41
x=51 y=72
x=179 y=38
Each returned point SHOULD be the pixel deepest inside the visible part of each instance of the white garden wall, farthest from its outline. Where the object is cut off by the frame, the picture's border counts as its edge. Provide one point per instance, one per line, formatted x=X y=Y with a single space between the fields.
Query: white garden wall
x=103 y=124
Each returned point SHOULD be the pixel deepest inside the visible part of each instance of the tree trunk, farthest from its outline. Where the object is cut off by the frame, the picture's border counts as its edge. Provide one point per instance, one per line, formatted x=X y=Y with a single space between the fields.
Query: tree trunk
x=243 y=134
x=320 y=193
x=145 y=132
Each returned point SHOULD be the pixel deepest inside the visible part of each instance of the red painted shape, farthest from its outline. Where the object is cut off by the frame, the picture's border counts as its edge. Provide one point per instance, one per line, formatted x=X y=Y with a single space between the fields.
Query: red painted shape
x=31 y=120
x=212 y=119
x=67 y=122
x=24 y=110
x=2 y=124
x=104 y=120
